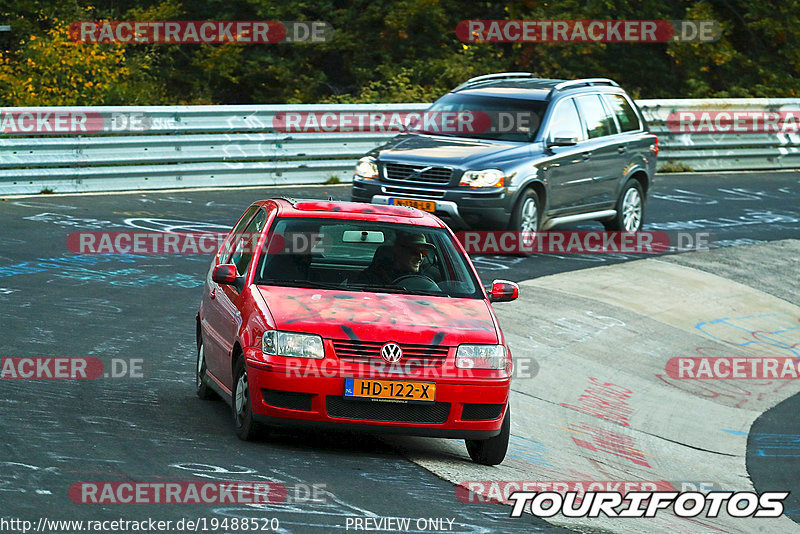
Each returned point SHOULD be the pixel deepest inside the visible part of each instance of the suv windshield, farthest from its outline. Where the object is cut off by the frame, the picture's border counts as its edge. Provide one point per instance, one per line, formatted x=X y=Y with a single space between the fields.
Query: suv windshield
x=364 y=256
x=510 y=119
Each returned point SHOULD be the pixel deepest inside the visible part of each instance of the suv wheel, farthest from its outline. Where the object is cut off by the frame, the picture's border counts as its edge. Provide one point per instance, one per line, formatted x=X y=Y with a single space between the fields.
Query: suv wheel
x=526 y=214
x=491 y=451
x=630 y=209
x=243 y=422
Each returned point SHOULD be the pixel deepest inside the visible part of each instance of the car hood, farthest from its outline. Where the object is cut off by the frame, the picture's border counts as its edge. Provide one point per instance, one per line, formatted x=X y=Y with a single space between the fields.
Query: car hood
x=433 y=150
x=380 y=317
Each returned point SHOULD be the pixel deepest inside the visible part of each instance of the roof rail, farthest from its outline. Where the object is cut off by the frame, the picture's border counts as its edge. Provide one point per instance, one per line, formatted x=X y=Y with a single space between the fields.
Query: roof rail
x=588 y=82
x=495 y=76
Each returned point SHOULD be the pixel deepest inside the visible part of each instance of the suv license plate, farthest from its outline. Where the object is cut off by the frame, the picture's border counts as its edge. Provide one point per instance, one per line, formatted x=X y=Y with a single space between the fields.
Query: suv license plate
x=389 y=390
x=425 y=205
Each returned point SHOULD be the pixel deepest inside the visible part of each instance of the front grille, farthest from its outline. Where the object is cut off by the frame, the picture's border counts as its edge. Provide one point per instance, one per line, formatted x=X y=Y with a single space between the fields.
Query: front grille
x=370 y=352
x=408 y=173
x=287 y=399
x=394 y=412
x=413 y=193
x=481 y=412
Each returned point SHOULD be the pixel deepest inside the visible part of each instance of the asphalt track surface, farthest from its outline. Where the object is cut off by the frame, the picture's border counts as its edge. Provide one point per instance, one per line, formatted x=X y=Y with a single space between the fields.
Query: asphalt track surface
x=56 y=433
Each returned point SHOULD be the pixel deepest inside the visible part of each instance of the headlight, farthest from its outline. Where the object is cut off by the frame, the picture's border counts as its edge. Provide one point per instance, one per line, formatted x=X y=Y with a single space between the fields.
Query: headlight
x=481 y=357
x=367 y=168
x=277 y=343
x=487 y=178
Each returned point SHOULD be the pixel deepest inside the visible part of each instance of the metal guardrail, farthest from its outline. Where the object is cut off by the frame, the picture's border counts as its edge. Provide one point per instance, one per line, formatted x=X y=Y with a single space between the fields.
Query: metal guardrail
x=724 y=151
x=208 y=146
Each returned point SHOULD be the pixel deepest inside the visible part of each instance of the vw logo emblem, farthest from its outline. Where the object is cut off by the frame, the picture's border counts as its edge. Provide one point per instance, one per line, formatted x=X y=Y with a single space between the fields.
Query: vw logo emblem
x=391 y=352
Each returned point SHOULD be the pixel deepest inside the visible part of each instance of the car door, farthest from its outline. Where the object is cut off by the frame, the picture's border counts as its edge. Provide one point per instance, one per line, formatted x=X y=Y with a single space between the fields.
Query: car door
x=634 y=143
x=569 y=169
x=606 y=148
x=229 y=298
x=213 y=322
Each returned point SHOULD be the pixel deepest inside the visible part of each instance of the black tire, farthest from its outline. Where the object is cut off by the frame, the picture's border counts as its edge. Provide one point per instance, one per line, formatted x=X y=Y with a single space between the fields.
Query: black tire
x=246 y=429
x=202 y=388
x=528 y=200
x=621 y=222
x=491 y=451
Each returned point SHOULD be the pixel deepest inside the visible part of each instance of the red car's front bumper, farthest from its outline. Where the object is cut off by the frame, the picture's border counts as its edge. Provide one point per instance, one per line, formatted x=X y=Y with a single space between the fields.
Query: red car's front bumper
x=312 y=394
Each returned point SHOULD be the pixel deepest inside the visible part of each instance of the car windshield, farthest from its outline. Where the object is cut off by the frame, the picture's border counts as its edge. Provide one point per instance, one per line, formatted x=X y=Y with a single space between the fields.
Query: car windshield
x=502 y=119
x=364 y=256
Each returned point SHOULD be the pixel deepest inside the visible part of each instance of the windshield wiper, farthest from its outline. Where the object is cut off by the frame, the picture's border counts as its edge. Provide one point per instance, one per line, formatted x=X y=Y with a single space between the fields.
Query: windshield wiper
x=375 y=287
x=299 y=283
x=396 y=289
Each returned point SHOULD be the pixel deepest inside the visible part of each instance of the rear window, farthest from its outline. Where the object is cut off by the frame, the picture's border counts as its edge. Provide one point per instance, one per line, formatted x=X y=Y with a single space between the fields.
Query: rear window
x=626 y=116
x=598 y=120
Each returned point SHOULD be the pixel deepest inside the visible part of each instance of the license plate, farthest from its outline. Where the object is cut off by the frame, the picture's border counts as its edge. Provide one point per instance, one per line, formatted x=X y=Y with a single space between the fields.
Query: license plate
x=425 y=205
x=389 y=390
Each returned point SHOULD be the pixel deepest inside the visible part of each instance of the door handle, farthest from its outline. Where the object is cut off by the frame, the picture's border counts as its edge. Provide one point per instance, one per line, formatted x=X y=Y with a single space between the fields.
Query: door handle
x=621 y=149
x=213 y=293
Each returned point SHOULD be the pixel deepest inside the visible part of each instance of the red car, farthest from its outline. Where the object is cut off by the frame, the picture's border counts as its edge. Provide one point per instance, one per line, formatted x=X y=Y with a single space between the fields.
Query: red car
x=354 y=316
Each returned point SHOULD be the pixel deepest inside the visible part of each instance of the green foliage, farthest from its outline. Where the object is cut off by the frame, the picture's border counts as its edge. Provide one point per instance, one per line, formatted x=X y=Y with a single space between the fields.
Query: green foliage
x=674 y=166
x=384 y=51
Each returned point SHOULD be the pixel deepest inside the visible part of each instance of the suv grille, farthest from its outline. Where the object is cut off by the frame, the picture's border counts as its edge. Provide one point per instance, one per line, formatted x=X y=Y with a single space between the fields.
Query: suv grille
x=370 y=351
x=395 y=412
x=406 y=173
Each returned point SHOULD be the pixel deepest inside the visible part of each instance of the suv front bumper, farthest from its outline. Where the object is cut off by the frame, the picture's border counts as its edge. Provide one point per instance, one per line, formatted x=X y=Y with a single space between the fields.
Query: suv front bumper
x=464 y=207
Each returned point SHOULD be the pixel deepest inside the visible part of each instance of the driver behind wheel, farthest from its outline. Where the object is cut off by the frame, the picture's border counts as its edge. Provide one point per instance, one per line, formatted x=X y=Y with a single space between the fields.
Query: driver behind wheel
x=406 y=258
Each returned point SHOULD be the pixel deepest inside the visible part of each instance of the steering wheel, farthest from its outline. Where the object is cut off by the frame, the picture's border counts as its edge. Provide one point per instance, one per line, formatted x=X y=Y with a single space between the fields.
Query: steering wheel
x=427 y=281
x=407 y=276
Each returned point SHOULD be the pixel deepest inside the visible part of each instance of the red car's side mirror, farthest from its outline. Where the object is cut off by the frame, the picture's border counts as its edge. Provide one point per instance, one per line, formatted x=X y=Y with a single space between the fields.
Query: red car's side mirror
x=224 y=273
x=503 y=291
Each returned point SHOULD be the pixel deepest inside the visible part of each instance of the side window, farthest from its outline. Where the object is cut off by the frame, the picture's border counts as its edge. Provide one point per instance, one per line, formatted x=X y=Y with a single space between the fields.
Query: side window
x=599 y=122
x=228 y=245
x=565 y=119
x=246 y=243
x=626 y=116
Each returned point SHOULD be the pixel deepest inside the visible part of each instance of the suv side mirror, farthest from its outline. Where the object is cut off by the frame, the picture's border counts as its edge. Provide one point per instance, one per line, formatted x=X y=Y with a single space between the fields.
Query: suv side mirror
x=225 y=274
x=563 y=138
x=503 y=291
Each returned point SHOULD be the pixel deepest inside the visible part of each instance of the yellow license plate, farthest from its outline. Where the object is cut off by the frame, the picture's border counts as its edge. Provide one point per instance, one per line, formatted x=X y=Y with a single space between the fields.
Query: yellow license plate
x=425 y=205
x=389 y=389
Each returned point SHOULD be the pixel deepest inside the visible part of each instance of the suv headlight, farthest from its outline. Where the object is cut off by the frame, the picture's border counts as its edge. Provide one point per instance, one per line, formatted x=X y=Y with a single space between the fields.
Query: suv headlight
x=481 y=357
x=367 y=168
x=486 y=178
x=277 y=343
